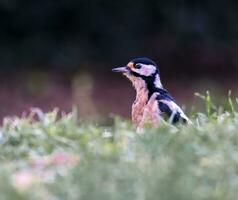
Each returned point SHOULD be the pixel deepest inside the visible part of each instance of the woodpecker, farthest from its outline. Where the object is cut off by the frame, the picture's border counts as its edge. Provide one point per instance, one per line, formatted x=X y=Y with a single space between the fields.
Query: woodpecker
x=153 y=102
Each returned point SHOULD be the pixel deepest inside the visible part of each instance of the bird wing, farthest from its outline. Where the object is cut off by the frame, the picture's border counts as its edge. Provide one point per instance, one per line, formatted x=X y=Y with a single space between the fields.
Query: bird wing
x=172 y=110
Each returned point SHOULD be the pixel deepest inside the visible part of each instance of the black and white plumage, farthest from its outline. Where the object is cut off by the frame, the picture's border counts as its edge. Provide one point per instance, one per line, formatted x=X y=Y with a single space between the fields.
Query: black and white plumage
x=153 y=102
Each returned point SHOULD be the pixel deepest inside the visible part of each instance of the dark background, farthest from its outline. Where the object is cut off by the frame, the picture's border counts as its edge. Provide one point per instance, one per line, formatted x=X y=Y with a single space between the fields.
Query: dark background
x=58 y=53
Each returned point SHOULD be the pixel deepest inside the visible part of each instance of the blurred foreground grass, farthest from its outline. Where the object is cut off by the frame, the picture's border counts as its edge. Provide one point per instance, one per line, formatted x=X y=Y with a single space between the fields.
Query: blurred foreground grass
x=44 y=156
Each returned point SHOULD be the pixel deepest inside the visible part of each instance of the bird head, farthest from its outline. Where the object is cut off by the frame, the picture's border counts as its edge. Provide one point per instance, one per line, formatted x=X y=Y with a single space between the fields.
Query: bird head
x=141 y=71
x=139 y=67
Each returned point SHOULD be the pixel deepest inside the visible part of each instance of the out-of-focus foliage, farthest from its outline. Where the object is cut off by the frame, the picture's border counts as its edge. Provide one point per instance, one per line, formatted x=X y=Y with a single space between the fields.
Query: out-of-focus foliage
x=60 y=158
x=76 y=33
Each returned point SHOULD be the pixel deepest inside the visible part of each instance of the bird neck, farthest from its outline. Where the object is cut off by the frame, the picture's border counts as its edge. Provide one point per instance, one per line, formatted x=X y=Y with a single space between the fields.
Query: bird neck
x=153 y=85
x=146 y=85
x=140 y=87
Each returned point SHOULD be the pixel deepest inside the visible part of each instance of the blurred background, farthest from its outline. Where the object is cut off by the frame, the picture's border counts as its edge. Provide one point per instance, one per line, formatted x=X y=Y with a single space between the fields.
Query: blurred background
x=59 y=53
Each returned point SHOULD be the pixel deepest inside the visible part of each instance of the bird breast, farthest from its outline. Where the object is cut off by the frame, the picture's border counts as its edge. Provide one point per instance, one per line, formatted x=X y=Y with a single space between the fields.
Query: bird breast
x=145 y=111
x=139 y=106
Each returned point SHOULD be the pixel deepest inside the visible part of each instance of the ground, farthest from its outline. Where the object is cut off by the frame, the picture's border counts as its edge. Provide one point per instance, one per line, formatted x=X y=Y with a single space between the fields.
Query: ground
x=48 y=156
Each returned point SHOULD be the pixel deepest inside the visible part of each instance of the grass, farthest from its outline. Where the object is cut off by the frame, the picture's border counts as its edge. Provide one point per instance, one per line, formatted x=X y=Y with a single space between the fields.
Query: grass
x=52 y=156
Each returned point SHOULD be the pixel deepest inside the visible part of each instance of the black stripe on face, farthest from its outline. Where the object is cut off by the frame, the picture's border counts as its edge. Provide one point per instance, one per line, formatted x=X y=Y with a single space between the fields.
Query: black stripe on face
x=149 y=80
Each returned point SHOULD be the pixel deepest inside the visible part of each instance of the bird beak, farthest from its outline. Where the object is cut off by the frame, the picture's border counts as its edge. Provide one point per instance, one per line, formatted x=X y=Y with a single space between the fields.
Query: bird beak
x=121 y=69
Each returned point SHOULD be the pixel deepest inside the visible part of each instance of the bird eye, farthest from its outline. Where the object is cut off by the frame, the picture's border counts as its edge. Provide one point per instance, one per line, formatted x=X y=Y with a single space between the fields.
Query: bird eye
x=137 y=66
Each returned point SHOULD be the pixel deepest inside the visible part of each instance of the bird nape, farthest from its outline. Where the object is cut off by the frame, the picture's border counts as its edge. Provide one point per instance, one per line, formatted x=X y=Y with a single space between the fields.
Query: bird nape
x=153 y=102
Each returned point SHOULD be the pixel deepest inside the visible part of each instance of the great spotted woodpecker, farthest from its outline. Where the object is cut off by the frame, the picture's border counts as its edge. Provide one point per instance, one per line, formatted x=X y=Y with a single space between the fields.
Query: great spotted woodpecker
x=153 y=102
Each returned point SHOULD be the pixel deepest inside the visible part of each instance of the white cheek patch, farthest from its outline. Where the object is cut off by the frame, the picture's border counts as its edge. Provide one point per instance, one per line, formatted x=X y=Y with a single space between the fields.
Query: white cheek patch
x=145 y=70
